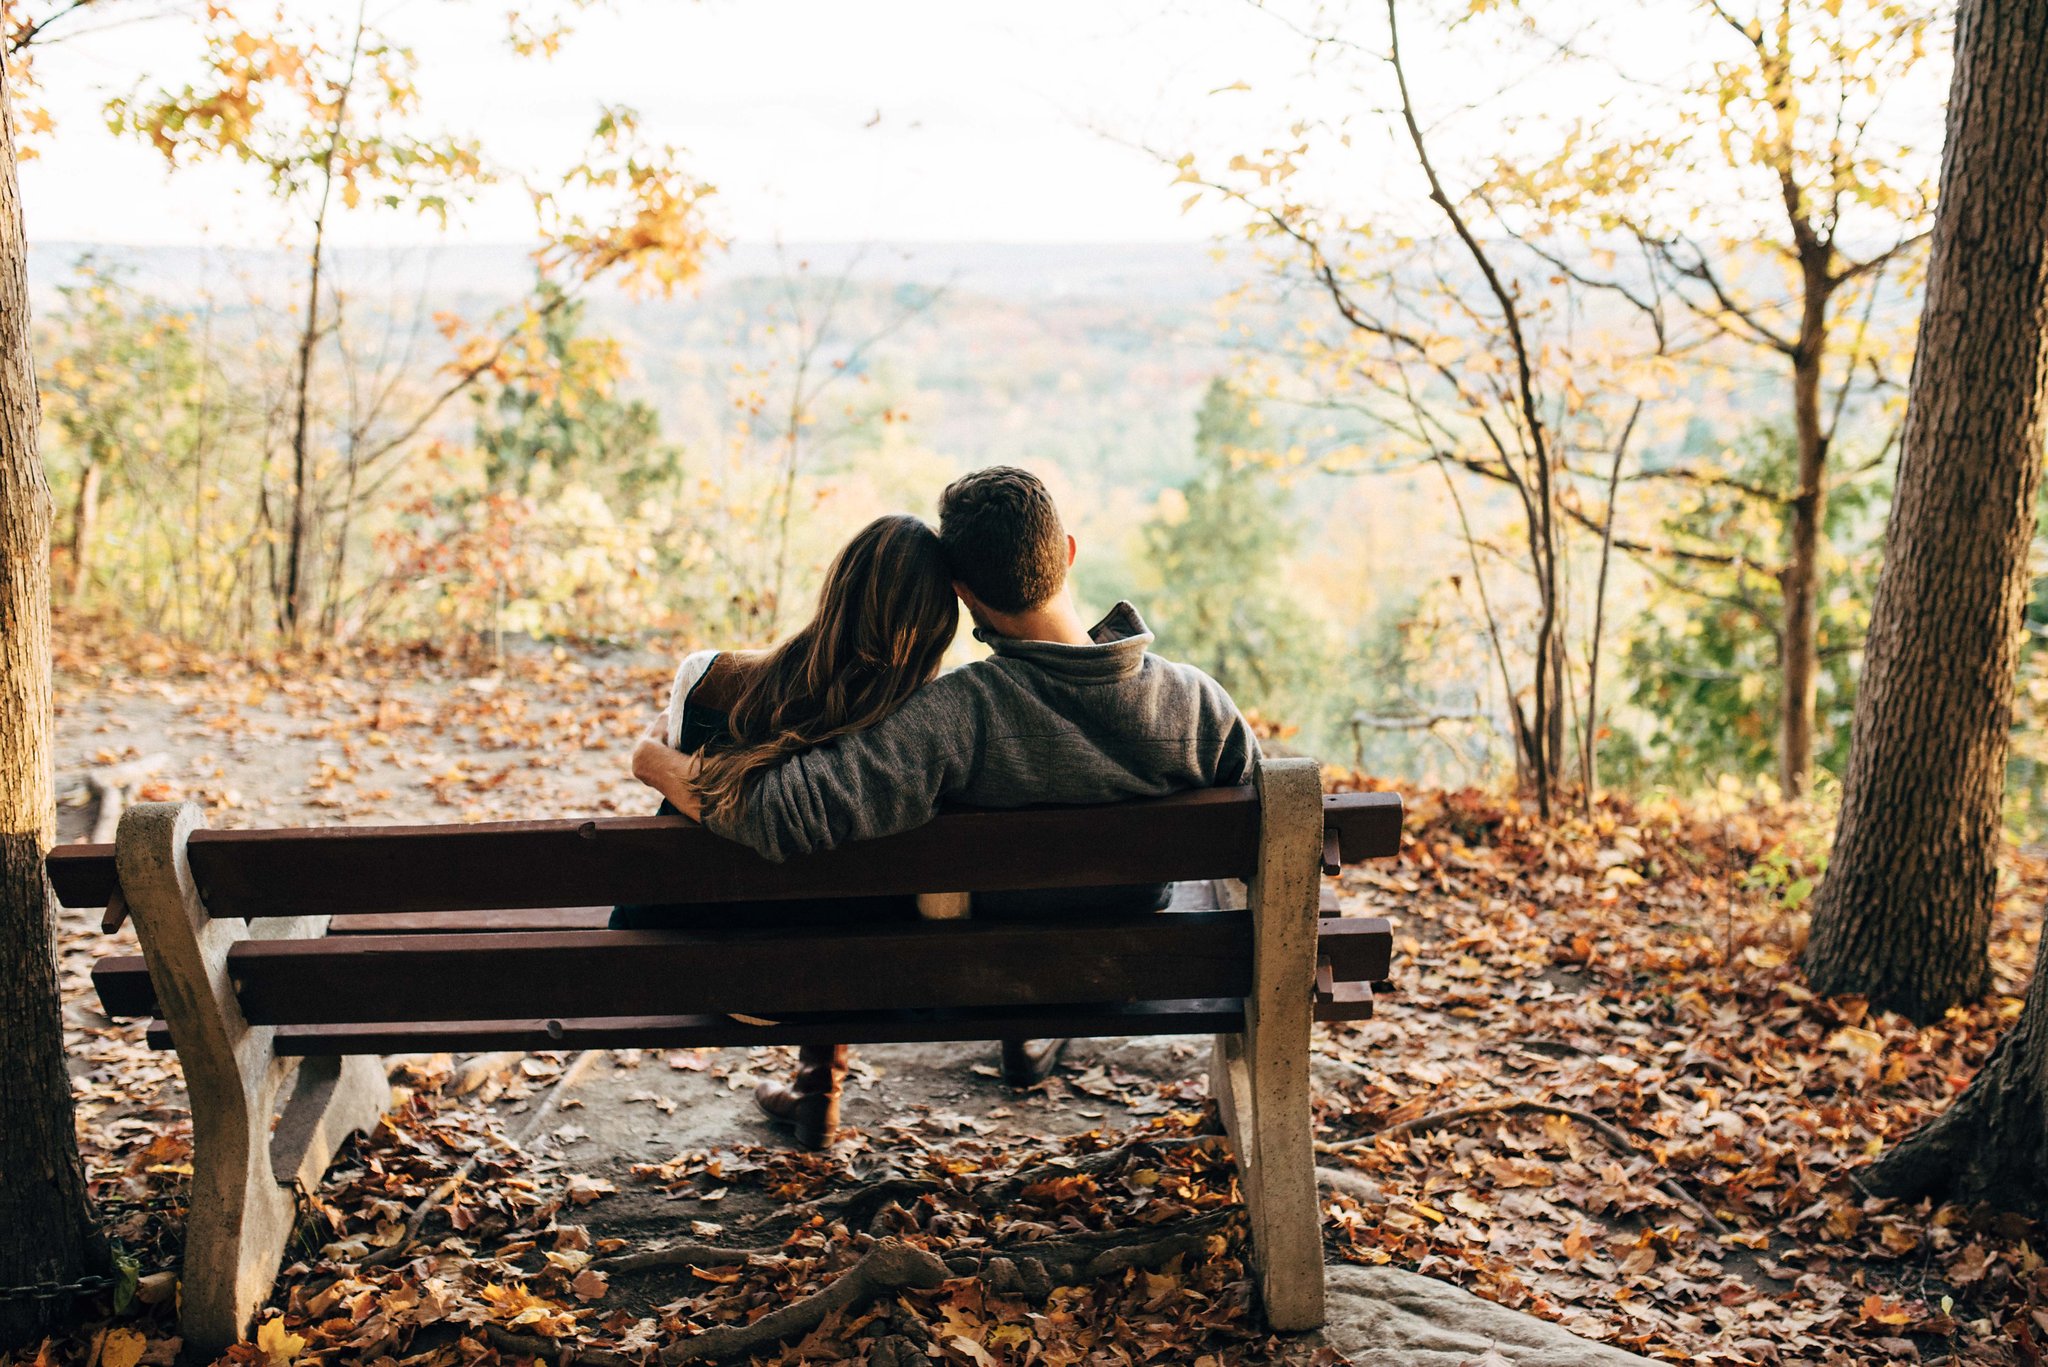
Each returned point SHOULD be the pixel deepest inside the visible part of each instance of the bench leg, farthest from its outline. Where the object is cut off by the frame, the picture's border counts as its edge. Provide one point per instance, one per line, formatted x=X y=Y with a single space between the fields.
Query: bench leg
x=1261 y=1078
x=242 y=1206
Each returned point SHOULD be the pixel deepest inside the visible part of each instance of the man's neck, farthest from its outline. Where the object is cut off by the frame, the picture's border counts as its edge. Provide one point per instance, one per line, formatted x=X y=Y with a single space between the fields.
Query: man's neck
x=1056 y=621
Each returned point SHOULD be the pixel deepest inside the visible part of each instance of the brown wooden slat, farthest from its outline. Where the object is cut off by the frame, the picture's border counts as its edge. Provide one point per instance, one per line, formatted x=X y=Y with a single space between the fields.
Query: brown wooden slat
x=1367 y=825
x=123 y=986
x=117 y=913
x=83 y=875
x=326 y=878
x=394 y=869
x=471 y=922
x=1197 y=896
x=122 y=982
x=1357 y=948
x=1340 y=1001
x=373 y=978
x=1216 y=1016
x=1225 y=1015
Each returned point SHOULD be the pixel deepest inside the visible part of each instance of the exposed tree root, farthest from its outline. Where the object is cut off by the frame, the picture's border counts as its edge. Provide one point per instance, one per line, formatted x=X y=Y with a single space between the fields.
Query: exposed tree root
x=1615 y=1139
x=685 y=1254
x=1032 y=1268
x=856 y=1209
x=1090 y=1165
x=889 y=1266
x=561 y=1351
x=1345 y=1182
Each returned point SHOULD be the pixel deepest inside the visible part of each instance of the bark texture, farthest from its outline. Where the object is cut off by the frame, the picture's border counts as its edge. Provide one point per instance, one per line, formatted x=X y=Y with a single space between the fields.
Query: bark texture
x=1992 y=1144
x=45 y=1233
x=1903 y=916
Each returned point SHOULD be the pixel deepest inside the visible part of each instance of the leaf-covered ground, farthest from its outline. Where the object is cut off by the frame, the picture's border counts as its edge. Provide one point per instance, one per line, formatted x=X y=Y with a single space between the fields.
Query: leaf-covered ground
x=1600 y=1094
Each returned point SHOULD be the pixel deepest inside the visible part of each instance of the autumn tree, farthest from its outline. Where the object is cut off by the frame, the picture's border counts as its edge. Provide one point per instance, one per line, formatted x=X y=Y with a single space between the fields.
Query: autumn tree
x=1904 y=914
x=49 y=1236
x=120 y=381
x=1460 y=348
x=326 y=118
x=1218 y=544
x=562 y=416
x=323 y=121
x=1776 y=205
x=814 y=350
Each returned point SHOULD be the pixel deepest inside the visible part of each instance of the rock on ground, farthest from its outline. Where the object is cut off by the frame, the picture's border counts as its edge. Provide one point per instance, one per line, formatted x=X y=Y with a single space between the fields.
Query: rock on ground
x=1385 y=1317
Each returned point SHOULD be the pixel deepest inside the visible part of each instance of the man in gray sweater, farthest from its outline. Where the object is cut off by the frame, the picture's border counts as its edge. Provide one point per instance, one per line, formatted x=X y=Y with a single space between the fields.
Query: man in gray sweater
x=1060 y=713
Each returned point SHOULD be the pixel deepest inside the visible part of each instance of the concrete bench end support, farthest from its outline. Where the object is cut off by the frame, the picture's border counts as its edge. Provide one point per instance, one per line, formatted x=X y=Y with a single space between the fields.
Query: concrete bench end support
x=1261 y=1078
x=247 y=1159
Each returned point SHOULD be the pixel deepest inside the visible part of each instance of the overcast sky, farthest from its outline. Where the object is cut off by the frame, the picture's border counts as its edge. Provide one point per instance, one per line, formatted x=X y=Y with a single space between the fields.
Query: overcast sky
x=992 y=119
x=842 y=120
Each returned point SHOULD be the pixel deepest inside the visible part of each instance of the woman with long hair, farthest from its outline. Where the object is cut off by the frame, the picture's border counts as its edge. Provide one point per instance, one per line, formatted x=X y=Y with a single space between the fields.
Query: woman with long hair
x=885 y=615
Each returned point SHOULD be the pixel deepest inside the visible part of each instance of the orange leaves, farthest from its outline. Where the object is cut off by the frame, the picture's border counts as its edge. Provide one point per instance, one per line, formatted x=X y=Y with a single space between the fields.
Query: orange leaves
x=517 y=1307
x=652 y=234
x=1734 y=1081
x=321 y=112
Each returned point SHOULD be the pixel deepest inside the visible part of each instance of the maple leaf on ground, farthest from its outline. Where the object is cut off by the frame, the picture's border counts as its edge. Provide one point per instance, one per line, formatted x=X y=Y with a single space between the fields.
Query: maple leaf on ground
x=278 y=1345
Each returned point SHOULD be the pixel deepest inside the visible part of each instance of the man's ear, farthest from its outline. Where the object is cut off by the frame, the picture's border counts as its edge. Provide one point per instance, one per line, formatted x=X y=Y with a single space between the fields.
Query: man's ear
x=1073 y=548
x=966 y=596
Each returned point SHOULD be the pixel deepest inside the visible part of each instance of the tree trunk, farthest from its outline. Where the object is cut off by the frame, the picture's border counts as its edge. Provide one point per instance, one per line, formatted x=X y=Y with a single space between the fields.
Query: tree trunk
x=295 y=568
x=1992 y=1144
x=1802 y=562
x=84 y=513
x=48 y=1234
x=1904 y=913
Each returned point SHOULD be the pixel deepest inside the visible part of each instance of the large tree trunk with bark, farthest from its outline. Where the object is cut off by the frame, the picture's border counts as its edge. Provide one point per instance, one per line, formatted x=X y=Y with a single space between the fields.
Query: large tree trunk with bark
x=1904 y=914
x=45 y=1231
x=1992 y=1144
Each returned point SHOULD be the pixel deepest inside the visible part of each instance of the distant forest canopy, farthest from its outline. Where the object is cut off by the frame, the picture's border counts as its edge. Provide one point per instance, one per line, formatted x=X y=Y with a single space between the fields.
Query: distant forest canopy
x=637 y=497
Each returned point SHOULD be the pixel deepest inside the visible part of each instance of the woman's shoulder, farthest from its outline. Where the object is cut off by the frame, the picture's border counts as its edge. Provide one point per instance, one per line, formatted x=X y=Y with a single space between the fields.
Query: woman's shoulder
x=719 y=685
x=688 y=675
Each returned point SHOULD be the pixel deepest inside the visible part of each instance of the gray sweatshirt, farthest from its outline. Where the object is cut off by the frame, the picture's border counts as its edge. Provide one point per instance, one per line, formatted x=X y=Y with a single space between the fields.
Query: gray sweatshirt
x=1036 y=722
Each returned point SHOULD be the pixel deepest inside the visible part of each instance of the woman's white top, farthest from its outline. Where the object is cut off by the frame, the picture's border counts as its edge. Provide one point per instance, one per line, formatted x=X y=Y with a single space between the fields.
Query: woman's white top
x=688 y=675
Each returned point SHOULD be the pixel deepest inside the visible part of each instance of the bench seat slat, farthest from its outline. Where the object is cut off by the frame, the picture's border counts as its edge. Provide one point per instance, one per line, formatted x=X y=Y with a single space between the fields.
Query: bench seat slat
x=496 y=976
x=472 y=922
x=1354 y=950
x=1222 y=1015
x=1199 y=896
x=82 y=875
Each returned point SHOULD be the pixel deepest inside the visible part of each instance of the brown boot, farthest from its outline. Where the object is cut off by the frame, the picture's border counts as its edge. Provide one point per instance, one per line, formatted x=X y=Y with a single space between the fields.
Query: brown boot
x=1028 y=1062
x=809 y=1102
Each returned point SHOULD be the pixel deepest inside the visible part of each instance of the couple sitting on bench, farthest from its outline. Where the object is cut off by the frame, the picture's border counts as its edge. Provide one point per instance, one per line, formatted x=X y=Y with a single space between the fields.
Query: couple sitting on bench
x=847 y=731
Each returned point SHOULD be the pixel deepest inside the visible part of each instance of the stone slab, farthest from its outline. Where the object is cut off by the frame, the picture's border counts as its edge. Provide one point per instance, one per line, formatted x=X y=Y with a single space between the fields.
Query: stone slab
x=1387 y=1317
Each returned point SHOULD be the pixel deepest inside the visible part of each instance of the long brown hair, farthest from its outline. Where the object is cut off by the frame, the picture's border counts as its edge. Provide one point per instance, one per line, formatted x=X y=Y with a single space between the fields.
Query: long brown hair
x=885 y=616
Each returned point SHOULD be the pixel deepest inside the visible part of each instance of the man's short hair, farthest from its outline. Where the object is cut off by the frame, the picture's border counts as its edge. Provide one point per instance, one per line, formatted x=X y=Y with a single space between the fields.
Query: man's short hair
x=1004 y=538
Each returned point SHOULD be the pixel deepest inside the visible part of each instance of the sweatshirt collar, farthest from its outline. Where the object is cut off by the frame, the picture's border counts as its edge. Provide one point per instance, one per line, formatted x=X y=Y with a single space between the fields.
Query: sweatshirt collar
x=1120 y=640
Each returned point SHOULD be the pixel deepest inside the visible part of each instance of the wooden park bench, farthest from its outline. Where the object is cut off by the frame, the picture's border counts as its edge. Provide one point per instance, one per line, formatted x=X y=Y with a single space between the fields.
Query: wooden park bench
x=281 y=963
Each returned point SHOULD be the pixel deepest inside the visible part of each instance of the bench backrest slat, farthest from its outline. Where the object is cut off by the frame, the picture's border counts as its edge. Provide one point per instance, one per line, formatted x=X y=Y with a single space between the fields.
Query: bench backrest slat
x=404 y=870
x=1210 y=834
